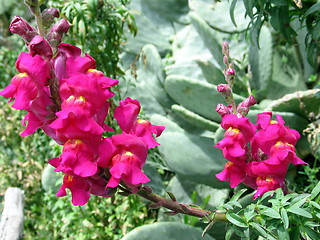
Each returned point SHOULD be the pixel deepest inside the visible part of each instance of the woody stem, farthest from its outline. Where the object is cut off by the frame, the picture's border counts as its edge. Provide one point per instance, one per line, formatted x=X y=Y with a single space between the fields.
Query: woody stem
x=177 y=207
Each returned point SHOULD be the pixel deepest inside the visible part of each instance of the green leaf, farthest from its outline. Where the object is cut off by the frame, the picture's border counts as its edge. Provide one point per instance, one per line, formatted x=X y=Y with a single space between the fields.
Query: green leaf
x=291 y=103
x=315 y=192
x=238 y=194
x=259 y=228
x=165 y=230
x=207 y=228
x=316 y=205
x=197 y=96
x=270 y=212
x=183 y=190
x=249 y=5
x=148 y=33
x=266 y=195
x=221 y=21
x=314 y=8
x=49 y=179
x=211 y=73
x=261 y=60
x=249 y=212
x=311 y=233
x=236 y=204
x=194 y=118
x=231 y=11
x=228 y=206
x=284 y=217
x=208 y=36
x=236 y=220
x=299 y=211
x=229 y=234
x=283 y=233
x=300 y=199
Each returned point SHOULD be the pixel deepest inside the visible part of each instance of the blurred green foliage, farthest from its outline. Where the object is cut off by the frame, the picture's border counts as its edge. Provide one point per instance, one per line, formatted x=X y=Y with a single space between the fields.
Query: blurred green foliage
x=173 y=63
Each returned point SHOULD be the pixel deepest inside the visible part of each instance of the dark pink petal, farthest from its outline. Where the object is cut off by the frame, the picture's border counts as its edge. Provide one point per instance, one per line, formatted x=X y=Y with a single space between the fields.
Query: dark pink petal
x=126 y=114
x=106 y=152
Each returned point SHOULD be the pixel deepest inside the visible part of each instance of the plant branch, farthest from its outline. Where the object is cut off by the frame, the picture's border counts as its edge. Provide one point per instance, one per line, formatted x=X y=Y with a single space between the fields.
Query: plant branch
x=177 y=207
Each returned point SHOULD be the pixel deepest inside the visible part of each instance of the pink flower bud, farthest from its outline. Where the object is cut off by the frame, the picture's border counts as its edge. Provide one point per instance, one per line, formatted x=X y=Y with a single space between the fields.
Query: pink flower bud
x=223 y=110
x=40 y=46
x=48 y=16
x=231 y=72
x=56 y=32
x=21 y=27
x=224 y=88
x=226 y=92
x=243 y=107
x=225 y=48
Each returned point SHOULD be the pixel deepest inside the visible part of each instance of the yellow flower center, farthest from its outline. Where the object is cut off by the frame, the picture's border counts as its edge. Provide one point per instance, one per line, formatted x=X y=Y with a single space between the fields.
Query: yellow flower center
x=232 y=132
x=128 y=154
x=94 y=71
x=22 y=75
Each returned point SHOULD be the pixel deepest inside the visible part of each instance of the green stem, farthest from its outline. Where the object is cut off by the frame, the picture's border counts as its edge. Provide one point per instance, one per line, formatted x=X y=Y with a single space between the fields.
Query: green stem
x=177 y=207
x=39 y=21
x=34 y=7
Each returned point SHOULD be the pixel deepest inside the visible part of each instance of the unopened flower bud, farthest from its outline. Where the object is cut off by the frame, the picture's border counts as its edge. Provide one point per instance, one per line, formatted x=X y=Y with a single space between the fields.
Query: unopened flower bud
x=231 y=72
x=224 y=88
x=244 y=107
x=40 y=46
x=248 y=102
x=223 y=110
x=226 y=92
x=48 y=16
x=55 y=35
x=225 y=48
x=21 y=27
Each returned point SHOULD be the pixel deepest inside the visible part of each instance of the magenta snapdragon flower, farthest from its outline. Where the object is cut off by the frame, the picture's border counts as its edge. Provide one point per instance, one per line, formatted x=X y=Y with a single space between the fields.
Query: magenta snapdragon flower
x=127 y=116
x=125 y=155
x=68 y=98
x=259 y=156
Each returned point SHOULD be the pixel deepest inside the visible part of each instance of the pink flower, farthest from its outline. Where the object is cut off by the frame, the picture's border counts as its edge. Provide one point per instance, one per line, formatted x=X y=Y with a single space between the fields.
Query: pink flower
x=82 y=187
x=94 y=90
x=75 y=120
x=40 y=114
x=78 y=157
x=265 y=184
x=23 y=89
x=125 y=154
x=127 y=113
x=29 y=84
x=65 y=51
x=239 y=132
x=79 y=187
x=127 y=117
x=271 y=132
x=36 y=67
x=232 y=173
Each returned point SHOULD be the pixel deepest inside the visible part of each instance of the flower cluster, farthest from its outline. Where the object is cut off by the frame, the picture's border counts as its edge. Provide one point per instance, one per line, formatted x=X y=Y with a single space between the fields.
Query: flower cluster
x=258 y=155
x=68 y=99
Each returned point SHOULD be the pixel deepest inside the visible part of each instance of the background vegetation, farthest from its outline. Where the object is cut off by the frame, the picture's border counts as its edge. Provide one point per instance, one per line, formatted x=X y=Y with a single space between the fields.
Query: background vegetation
x=167 y=54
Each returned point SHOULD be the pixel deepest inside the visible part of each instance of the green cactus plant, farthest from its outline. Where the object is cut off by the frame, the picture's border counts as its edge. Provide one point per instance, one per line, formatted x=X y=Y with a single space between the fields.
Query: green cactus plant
x=165 y=230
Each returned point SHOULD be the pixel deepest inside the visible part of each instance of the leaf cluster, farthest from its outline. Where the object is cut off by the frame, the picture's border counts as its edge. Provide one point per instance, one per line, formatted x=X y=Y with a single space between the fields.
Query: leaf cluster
x=281 y=14
x=275 y=216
